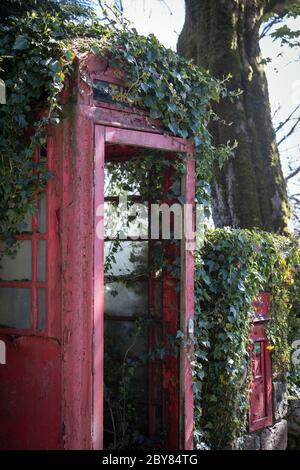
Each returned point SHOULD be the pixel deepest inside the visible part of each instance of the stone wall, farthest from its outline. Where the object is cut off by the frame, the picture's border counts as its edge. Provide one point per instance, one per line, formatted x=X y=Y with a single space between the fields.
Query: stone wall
x=273 y=437
x=293 y=420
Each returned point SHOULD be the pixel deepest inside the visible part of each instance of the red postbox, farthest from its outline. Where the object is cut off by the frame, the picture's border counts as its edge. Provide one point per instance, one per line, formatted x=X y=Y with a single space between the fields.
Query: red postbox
x=260 y=409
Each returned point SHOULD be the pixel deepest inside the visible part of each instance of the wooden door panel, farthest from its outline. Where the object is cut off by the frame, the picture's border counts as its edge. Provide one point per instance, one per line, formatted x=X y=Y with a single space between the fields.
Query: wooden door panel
x=30 y=394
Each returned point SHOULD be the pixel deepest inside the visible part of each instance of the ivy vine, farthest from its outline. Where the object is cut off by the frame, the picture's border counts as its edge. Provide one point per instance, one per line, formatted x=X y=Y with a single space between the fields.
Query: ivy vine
x=232 y=268
x=37 y=51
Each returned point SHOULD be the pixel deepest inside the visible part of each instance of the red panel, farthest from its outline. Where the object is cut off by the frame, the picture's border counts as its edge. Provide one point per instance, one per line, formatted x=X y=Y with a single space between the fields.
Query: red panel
x=75 y=151
x=187 y=315
x=98 y=346
x=260 y=409
x=171 y=311
x=142 y=139
x=51 y=389
x=30 y=394
x=170 y=363
x=53 y=311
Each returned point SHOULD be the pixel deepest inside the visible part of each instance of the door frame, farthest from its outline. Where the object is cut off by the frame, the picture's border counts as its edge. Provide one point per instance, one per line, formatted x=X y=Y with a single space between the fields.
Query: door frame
x=121 y=136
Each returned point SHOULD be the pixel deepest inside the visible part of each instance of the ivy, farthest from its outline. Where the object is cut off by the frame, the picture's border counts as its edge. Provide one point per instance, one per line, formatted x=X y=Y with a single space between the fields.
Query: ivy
x=37 y=51
x=231 y=269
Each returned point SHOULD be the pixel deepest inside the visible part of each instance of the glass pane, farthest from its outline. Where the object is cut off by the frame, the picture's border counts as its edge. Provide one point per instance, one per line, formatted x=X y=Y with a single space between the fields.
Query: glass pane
x=41 y=260
x=123 y=258
x=27 y=223
x=41 y=300
x=115 y=221
x=126 y=355
x=130 y=222
x=42 y=213
x=123 y=335
x=119 y=179
x=124 y=300
x=138 y=220
x=15 y=307
x=18 y=267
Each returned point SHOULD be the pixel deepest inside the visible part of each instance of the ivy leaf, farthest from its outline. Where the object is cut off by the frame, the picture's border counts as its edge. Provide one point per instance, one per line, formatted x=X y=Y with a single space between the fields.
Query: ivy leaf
x=145 y=87
x=172 y=106
x=155 y=113
x=184 y=133
x=198 y=141
x=173 y=127
x=148 y=101
x=21 y=43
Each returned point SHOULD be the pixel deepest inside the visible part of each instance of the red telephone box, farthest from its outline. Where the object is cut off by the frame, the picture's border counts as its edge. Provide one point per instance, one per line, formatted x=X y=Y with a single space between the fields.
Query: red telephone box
x=55 y=319
x=260 y=410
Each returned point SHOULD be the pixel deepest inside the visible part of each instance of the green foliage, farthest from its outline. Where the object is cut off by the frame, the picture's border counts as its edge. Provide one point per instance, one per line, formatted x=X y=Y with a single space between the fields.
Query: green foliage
x=35 y=59
x=37 y=51
x=284 y=33
x=294 y=317
x=66 y=8
x=287 y=36
x=232 y=268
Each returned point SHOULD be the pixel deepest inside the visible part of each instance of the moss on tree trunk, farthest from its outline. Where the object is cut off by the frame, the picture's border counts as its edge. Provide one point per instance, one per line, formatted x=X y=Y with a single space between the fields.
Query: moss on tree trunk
x=223 y=36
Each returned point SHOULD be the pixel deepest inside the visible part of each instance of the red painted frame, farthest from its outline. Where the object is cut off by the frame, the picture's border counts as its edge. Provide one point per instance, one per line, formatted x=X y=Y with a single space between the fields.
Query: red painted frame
x=33 y=235
x=31 y=379
x=258 y=334
x=183 y=391
x=74 y=271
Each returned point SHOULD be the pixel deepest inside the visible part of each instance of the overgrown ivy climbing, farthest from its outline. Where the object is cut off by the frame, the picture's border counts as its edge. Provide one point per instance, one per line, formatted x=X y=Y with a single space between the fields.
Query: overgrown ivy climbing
x=232 y=267
x=37 y=50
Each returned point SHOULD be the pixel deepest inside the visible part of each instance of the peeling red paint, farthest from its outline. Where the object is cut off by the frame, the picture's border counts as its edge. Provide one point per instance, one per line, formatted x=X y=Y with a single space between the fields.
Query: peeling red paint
x=52 y=386
x=260 y=412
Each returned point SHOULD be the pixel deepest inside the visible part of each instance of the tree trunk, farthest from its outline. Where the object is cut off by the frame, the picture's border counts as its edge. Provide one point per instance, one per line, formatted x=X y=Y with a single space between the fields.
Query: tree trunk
x=223 y=36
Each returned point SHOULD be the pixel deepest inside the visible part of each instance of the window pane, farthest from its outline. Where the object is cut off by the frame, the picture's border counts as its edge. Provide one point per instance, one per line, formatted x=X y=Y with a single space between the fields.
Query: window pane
x=118 y=179
x=15 y=308
x=18 y=267
x=42 y=213
x=124 y=300
x=41 y=260
x=132 y=222
x=27 y=223
x=122 y=335
x=126 y=257
x=41 y=299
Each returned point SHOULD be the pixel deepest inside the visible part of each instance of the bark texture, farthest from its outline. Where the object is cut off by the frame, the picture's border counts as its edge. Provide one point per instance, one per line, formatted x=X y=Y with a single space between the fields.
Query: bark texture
x=223 y=36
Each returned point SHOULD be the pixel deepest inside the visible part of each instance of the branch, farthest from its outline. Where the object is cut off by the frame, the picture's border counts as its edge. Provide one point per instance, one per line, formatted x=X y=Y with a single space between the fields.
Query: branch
x=269 y=26
x=282 y=124
x=290 y=132
x=278 y=7
x=167 y=6
x=294 y=173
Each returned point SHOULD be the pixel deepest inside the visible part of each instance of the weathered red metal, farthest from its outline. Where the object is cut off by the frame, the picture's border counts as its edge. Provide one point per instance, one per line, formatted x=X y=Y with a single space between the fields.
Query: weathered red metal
x=171 y=317
x=30 y=394
x=187 y=316
x=98 y=346
x=260 y=409
x=52 y=385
